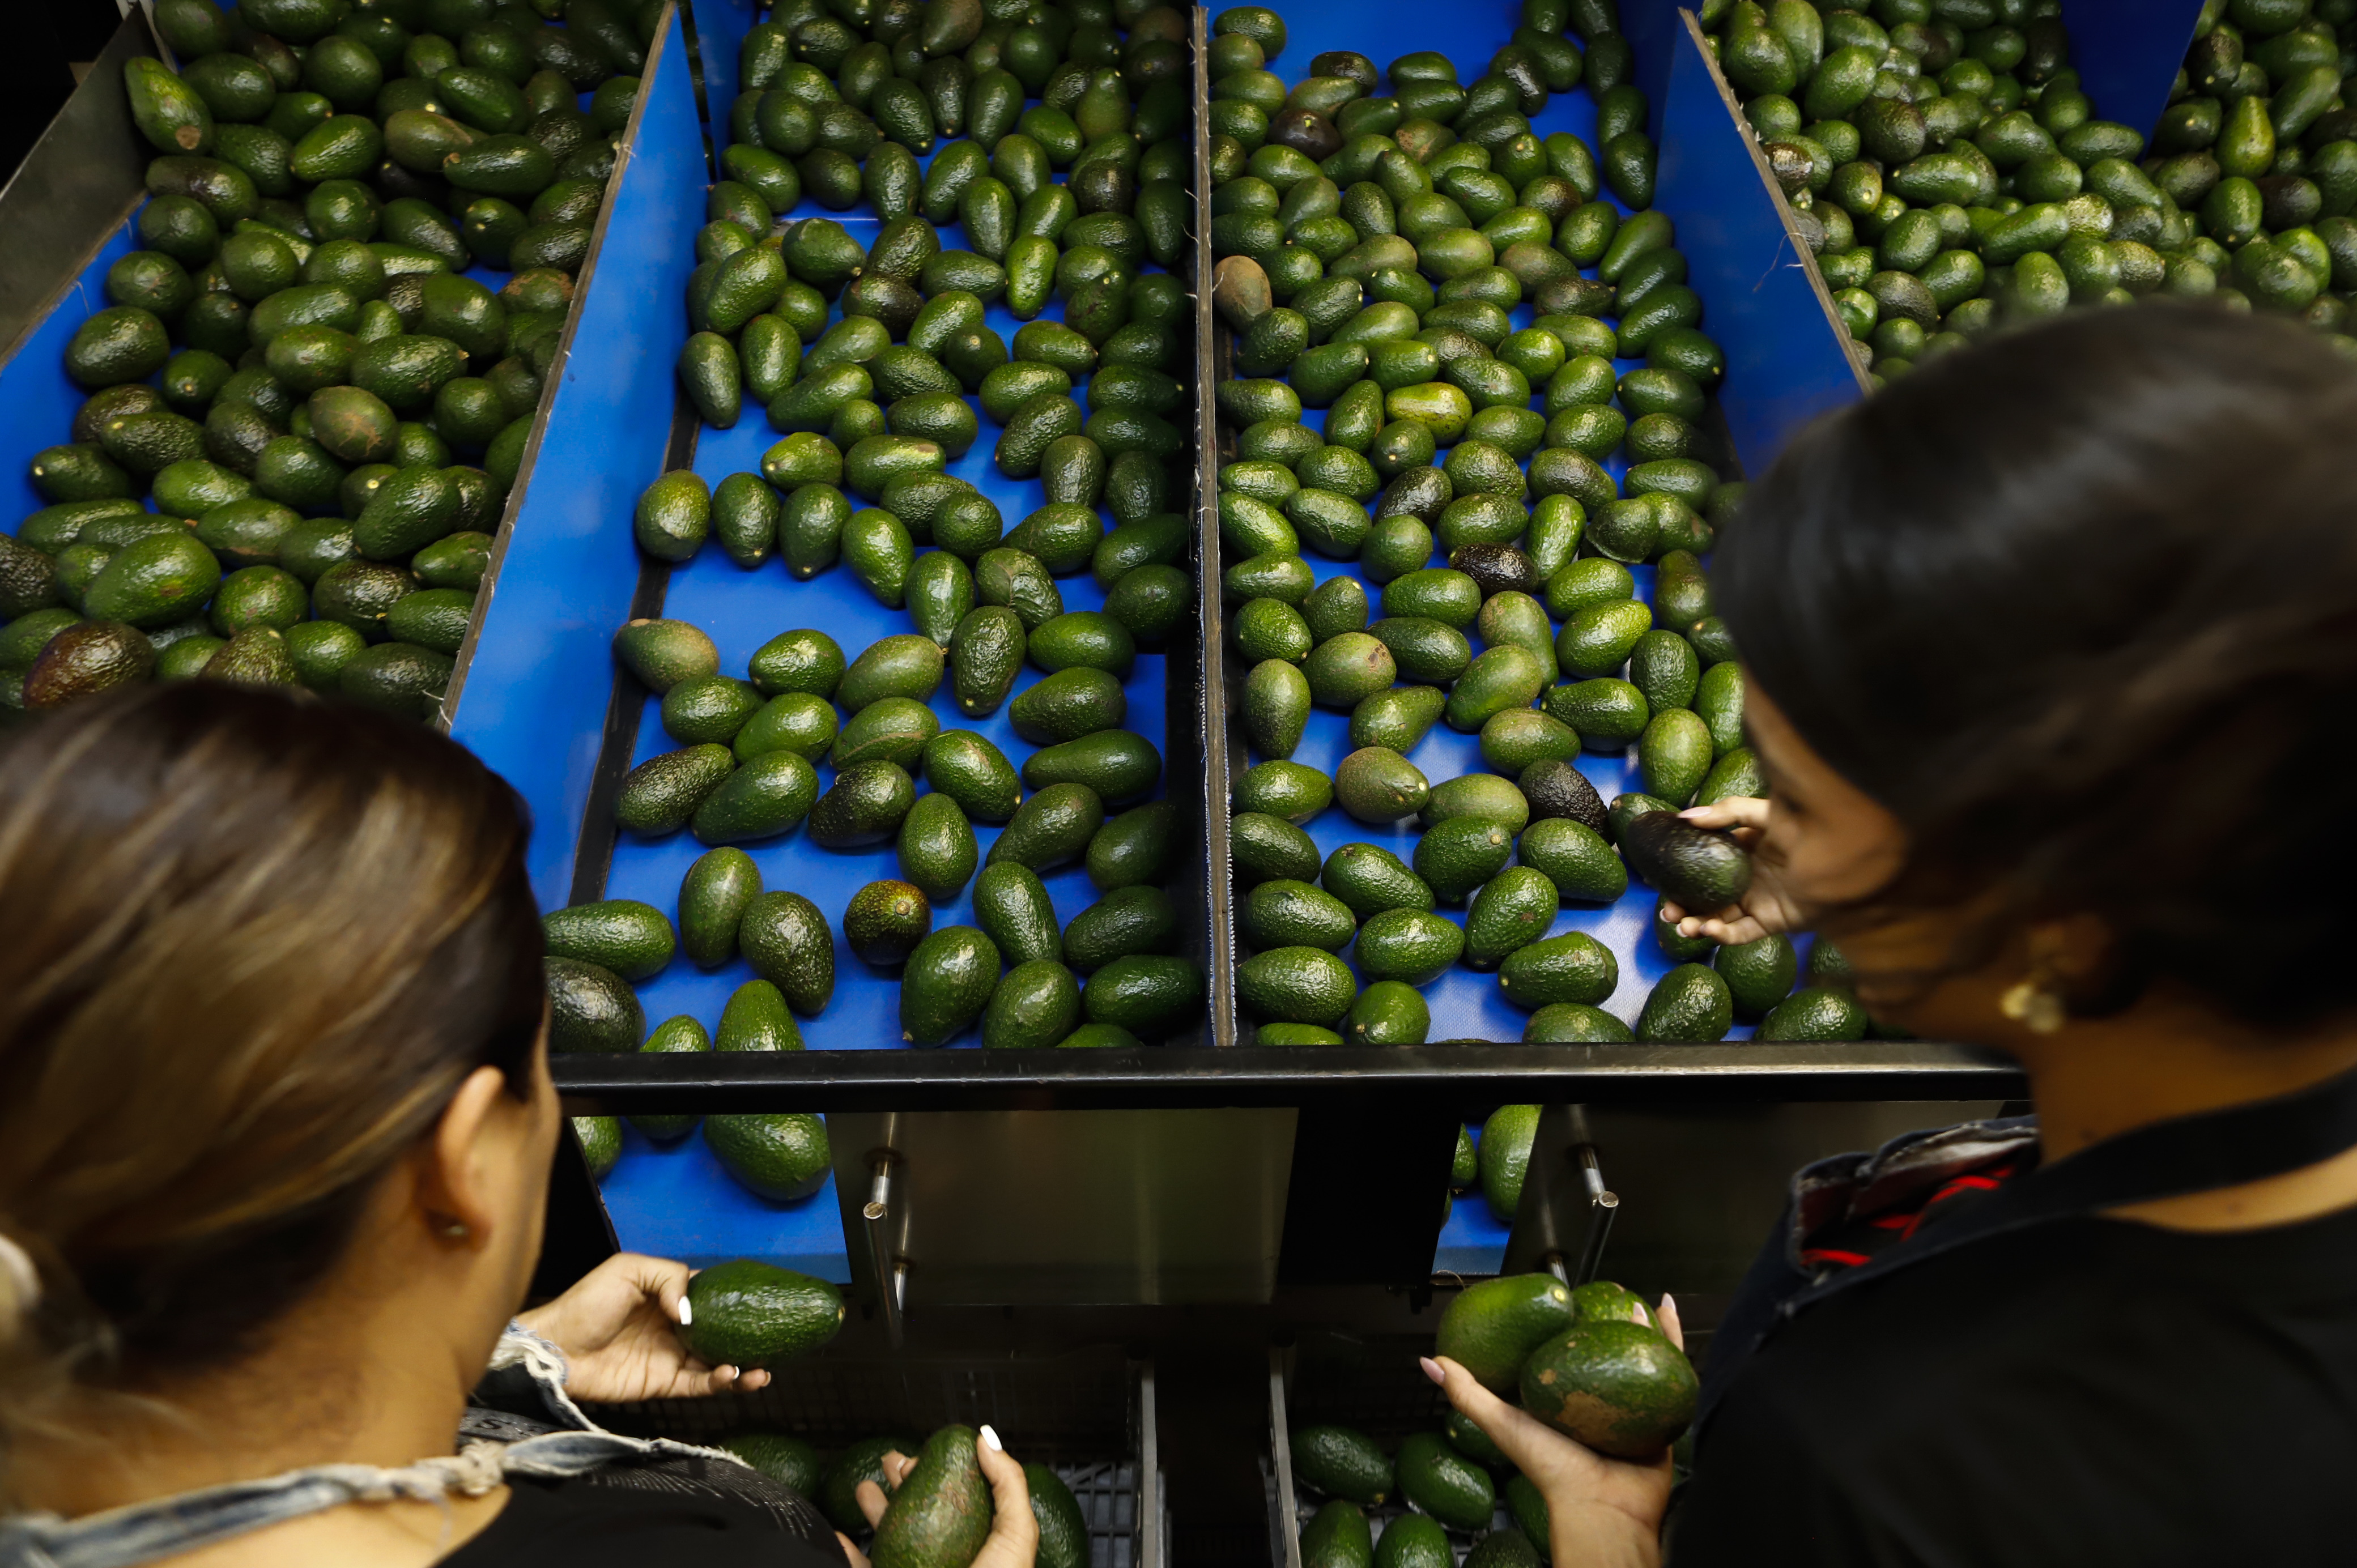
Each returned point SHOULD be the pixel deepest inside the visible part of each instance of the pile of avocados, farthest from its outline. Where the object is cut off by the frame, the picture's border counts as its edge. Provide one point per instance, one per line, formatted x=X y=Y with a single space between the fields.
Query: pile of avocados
x=324 y=413
x=982 y=600
x=1373 y=248
x=746 y=773
x=1591 y=1362
x=1951 y=176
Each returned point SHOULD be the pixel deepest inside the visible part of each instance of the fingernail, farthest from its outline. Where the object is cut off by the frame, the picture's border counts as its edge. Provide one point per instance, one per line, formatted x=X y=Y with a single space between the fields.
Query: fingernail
x=686 y=1313
x=1692 y=811
x=992 y=1438
x=1668 y=1305
x=1431 y=1368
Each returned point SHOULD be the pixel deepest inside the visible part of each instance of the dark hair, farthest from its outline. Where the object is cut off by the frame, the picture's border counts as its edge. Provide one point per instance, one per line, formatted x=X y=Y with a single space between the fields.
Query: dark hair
x=250 y=945
x=2079 y=607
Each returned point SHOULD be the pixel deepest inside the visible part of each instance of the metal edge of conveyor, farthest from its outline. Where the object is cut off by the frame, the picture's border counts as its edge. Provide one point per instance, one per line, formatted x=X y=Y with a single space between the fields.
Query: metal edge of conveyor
x=551 y=382
x=1472 y=1080
x=81 y=182
x=1211 y=698
x=1284 y=1526
x=1734 y=108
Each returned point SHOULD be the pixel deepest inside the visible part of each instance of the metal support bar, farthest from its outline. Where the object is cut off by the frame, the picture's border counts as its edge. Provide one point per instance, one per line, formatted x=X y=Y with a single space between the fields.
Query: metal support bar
x=1280 y=1444
x=885 y=1231
x=1468 y=1081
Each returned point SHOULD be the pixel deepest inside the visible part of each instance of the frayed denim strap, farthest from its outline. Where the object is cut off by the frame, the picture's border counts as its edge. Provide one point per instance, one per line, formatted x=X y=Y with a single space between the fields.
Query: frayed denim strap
x=164 y=1527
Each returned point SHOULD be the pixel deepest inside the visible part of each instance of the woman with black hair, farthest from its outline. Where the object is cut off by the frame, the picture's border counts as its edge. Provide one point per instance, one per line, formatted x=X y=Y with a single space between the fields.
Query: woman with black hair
x=2052 y=661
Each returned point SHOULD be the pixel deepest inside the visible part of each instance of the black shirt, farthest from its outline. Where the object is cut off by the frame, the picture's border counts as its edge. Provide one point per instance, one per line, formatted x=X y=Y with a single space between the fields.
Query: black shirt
x=591 y=1522
x=2083 y=1391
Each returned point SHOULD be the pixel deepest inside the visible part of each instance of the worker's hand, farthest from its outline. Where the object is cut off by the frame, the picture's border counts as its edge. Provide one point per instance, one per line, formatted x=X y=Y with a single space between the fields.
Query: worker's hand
x=1769 y=907
x=1013 y=1539
x=619 y=1328
x=1601 y=1513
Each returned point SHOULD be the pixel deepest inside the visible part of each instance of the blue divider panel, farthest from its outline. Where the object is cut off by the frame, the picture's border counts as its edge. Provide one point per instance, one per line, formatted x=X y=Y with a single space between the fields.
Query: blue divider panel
x=1788 y=358
x=1652 y=27
x=37 y=399
x=674 y=1201
x=534 y=705
x=720 y=29
x=2128 y=52
x=1473 y=1238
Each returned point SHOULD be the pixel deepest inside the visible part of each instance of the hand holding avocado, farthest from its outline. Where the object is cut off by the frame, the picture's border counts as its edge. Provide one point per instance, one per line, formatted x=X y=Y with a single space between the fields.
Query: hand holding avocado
x=934 y=1515
x=1598 y=1508
x=1767 y=905
x=617 y=1328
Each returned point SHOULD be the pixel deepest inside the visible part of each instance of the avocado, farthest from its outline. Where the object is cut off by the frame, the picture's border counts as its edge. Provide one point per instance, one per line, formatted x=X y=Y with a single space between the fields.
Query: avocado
x=756 y=1018
x=1412 y=1540
x=1285 y=913
x=86 y=659
x=947 y=984
x=1377 y=785
x=1338 y=1537
x=1815 y=1013
x=1296 y=985
x=1574 y=1023
x=865 y=805
x=1759 y=973
x=1701 y=871
x=661 y=794
x=1507 y=1547
x=782 y=1156
x=902 y=666
x=708 y=709
x=591 y=1009
x=1012 y=906
x=787 y=943
x=885 y=922
x=1463 y=1435
x=1436 y=1479
x=941 y=1513
x=1126 y=921
x=1576 y=858
x=1690 y=1002
x=662 y=653
x=1505 y=1154
x=1458 y=854
x=1620 y=1387
x=767 y=796
x=1147 y=996
x=1343 y=1461
x=671 y=1037
x=1050 y=828
x=751 y=1315
x=712 y=898
x=630 y=937
x=1494 y=1325
x=601 y=1138
x=1063 y=1531
x=1398 y=718
x=1036 y=1004
x=1387 y=1013
x=837 y=1493
x=782 y=1456
x=1138 y=847
x=1411 y=946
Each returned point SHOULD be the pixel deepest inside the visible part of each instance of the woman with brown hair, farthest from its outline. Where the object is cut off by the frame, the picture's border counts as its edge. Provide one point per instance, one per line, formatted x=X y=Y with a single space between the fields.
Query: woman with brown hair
x=275 y=1131
x=2051 y=665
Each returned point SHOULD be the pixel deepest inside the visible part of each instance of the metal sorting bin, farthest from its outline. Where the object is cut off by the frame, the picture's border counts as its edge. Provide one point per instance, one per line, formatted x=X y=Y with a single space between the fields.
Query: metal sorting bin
x=1786 y=363
x=1371 y=1384
x=71 y=213
x=1087 y=1414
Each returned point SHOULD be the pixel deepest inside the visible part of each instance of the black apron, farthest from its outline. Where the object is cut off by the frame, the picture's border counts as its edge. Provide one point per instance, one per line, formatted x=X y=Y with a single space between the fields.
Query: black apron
x=2167 y=1159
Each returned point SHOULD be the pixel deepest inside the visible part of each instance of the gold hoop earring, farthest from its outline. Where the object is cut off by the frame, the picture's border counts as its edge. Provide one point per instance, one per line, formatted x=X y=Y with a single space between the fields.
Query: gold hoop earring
x=2033 y=1005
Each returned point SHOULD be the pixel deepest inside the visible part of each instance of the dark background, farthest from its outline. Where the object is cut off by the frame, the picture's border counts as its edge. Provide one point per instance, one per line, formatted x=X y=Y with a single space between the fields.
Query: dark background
x=46 y=38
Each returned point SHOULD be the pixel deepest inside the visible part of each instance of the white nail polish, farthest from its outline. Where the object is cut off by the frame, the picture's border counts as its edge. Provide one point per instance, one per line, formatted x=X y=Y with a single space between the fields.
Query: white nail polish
x=992 y=1438
x=686 y=1313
